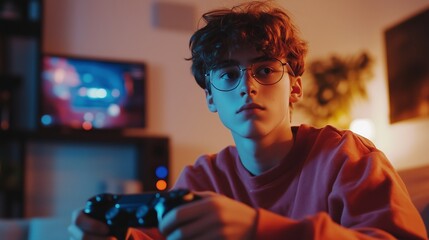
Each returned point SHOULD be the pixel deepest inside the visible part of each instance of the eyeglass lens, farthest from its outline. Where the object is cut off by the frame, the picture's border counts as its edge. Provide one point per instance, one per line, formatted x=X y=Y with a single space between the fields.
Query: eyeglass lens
x=266 y=72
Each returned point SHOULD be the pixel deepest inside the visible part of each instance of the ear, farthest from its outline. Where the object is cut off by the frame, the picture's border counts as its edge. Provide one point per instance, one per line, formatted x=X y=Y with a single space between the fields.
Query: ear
x=296 y=91
x=210 y=102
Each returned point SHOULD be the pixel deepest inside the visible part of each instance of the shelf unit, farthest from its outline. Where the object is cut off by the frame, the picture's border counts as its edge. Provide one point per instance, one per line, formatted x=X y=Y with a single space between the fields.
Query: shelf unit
x=20 y=27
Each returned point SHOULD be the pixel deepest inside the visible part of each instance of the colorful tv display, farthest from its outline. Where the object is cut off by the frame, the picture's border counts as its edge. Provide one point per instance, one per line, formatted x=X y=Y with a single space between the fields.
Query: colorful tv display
x=91 y=94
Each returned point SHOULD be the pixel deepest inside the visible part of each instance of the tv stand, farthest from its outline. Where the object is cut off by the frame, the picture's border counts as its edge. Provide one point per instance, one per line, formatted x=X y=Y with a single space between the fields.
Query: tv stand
x=152 y=153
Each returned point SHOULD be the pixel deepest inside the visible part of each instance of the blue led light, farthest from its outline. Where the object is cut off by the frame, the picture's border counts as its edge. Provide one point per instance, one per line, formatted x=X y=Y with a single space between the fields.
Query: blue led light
x=46 y=120
x=161 y=172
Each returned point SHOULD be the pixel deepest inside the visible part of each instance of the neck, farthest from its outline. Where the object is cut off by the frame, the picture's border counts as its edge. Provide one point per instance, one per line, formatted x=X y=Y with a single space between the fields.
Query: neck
x=263 y=153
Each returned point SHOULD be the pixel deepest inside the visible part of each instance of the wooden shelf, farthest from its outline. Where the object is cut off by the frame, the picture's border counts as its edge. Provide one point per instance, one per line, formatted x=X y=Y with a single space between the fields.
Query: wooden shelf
x=20 y=27
x=9 y=82
x=77 y=135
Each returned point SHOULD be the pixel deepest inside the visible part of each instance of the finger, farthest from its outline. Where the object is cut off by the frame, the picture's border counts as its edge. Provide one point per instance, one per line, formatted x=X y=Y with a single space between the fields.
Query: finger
x=76 y=233
x=88 y=224
x=199 y=229
x=184 y=214
x=205 y=194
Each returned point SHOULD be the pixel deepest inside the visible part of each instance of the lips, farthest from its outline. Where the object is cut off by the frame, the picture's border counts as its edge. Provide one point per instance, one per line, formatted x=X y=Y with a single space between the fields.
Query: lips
x=250 y=106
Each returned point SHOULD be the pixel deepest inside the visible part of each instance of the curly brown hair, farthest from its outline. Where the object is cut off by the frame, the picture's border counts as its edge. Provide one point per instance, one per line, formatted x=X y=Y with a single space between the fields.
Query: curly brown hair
x=257 y=24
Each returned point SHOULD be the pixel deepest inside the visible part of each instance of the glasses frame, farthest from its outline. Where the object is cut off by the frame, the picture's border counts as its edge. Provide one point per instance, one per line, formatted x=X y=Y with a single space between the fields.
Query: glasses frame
x=288 y=68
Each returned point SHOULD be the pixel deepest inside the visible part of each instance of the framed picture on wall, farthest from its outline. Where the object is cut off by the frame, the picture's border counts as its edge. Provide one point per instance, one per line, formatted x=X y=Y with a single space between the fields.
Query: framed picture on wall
x=407 y=52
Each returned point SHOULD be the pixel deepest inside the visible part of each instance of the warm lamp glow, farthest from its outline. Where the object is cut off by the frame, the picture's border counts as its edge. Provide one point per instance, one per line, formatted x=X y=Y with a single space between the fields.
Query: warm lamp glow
x=364 y=127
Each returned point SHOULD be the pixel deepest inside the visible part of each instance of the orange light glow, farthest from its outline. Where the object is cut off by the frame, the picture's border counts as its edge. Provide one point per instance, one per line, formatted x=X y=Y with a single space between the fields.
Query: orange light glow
x=86 y=125
x=161 y=185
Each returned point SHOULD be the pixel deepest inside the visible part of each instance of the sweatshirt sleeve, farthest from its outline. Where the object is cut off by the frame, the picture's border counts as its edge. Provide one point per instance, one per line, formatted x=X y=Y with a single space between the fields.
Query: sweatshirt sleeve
x=368 y=200
x=320 y=226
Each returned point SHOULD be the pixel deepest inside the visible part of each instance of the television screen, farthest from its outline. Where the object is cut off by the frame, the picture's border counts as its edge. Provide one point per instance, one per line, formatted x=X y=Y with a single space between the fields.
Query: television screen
x=90 y=94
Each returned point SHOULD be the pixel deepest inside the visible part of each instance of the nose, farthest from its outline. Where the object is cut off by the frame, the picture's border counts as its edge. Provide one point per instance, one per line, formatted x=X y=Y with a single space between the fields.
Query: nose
x=248 y=85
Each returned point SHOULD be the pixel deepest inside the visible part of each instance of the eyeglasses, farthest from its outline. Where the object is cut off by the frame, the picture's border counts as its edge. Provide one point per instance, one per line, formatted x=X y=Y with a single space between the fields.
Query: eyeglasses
x=266 y=72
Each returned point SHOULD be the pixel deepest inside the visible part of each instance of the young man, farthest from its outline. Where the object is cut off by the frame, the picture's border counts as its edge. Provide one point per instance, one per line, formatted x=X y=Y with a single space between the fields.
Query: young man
x=279 y=181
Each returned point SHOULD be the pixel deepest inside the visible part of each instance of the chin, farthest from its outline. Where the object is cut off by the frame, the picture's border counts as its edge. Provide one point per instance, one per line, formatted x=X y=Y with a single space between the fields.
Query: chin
x=251 y=132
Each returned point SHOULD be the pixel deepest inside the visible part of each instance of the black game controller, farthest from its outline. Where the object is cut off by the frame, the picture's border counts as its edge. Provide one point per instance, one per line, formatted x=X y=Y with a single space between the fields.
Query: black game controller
x=145 y=210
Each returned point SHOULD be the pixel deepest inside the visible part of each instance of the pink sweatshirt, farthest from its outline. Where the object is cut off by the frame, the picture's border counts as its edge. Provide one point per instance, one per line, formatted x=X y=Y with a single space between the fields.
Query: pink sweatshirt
x=332 y=185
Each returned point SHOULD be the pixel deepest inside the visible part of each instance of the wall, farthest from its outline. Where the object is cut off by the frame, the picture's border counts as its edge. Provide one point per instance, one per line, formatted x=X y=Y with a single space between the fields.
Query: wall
x=124 y=30
x=63 y=175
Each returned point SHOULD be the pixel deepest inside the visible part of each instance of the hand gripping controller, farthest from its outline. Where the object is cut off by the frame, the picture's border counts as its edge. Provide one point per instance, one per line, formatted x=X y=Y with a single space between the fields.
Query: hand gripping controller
x=145 y=210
